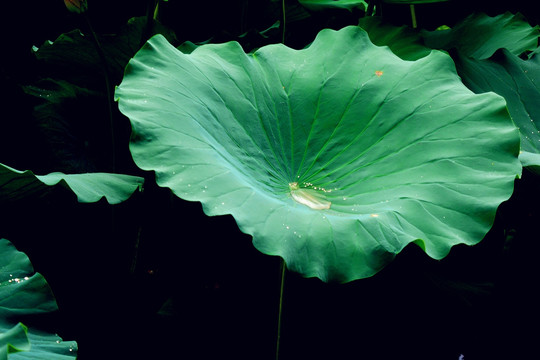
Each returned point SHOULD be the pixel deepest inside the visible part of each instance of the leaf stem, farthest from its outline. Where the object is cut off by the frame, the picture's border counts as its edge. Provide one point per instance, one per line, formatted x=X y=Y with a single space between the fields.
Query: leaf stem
x=283 y=268
x=370 y=8
x=135 y=257
x=156 y=11
x=413 y=16
x=151 y=9
x=283 y=15
x=108 y=94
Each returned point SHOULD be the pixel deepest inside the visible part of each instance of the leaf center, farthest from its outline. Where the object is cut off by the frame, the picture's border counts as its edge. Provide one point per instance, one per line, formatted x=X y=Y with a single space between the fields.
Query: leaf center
x=312 y=198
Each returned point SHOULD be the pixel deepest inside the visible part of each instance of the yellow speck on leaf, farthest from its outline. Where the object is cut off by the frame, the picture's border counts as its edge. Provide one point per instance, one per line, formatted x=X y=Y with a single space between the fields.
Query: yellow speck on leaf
x=378 y=73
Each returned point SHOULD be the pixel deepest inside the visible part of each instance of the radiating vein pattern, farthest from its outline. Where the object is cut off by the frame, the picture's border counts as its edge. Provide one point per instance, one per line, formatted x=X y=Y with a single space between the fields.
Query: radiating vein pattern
x=334 y=157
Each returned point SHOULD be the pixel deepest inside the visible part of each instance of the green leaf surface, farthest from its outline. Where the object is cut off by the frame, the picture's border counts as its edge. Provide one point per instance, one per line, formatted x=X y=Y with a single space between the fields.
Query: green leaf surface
x=26 y=294
x=518 y=81
x=14 y=340
x=318 y=5
x=403 y=41
x=90 y=187
x=480 y=35
x=534 y=53
x=334 y=157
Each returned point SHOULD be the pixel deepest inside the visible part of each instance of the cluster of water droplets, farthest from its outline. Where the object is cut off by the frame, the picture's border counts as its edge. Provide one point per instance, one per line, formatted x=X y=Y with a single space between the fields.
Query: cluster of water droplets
x=289 y=227
x=14 y=280
x=72 y=346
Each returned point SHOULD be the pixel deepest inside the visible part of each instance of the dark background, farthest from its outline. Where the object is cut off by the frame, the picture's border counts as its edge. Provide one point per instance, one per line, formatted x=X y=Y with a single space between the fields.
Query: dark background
x=154 y=278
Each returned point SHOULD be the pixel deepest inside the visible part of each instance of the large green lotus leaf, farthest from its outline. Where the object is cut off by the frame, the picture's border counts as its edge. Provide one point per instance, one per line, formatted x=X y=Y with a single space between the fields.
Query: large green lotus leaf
x=480 y=35
x=334 y=157
x=403 y=41
x=90 y=187
x=26 y=294
x=517 y=81
x=317 y=5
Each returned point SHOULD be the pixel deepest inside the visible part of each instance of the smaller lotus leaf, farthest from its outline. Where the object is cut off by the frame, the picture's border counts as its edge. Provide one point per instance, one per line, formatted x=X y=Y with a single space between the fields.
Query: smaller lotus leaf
x=14 y=340
x=334 y=157
x=480 y=35
x=403 y=41
x=517 y=81
x=89 y=187
x=26 y=294
x=317 y=5
x=73 y=56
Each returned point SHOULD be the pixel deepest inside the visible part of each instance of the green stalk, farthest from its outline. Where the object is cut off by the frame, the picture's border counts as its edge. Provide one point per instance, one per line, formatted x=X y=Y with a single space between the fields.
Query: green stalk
x=413 y=16
x=156 y=11
x=151 y=9
x=283 y=267
x=135 y=257
x=283 y=21
x=108 y=94
x=371 y=6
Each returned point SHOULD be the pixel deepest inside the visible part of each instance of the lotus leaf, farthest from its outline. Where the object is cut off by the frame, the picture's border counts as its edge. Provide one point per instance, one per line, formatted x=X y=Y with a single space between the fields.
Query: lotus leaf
x=72 y=56
x=517 y=81
x=317 y=5
x=480 y=35
x=25 y=294
x=334 y=157
x=90 y=187
x=14 y=340
x=403 y=41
